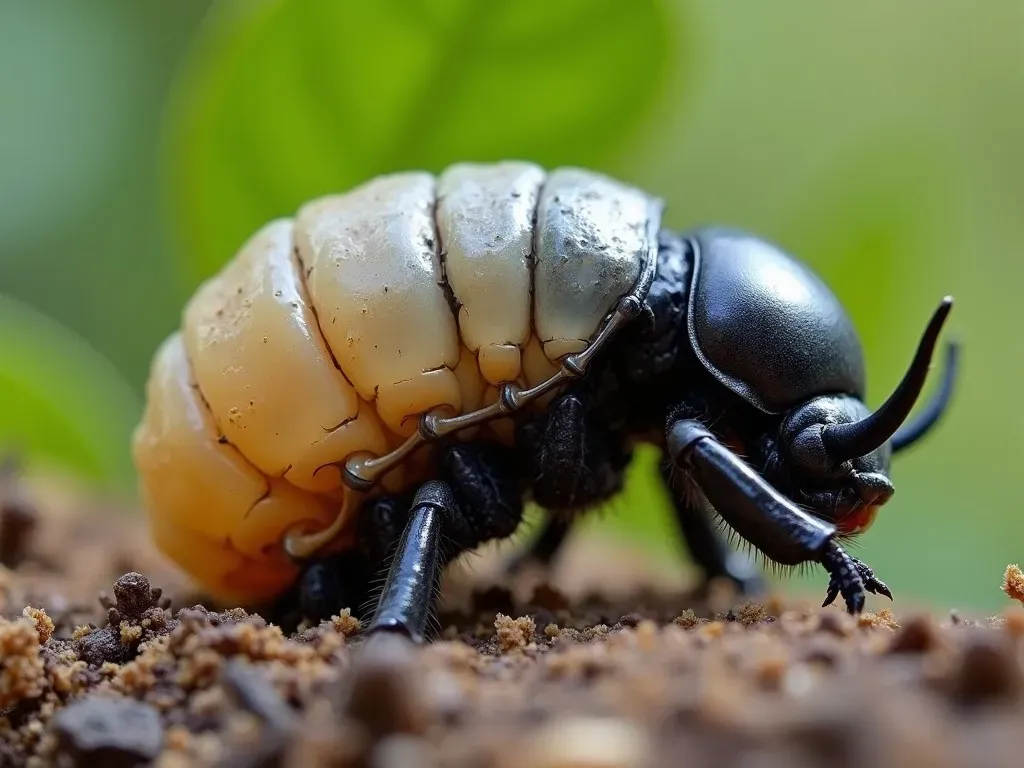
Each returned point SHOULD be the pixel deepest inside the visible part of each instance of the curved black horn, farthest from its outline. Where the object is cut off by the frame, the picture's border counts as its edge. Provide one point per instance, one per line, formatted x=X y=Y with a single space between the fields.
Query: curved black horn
x=845 y=441
x=910 y=433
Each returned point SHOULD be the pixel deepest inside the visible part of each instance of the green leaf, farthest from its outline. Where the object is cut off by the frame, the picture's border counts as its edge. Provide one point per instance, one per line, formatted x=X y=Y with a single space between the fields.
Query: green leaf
x=61 y=402
x=875 y=223
x=284 y=100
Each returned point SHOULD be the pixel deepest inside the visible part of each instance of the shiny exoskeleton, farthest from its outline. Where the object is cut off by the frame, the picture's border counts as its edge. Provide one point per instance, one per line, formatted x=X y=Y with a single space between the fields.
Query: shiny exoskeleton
x=587 y=328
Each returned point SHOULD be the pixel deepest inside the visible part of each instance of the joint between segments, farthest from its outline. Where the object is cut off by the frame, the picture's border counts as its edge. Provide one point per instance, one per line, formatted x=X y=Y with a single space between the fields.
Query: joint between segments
x=509 y=398
x=428 y=427
x=630 y=307
x=353 y=479
x=432 y=427
x=573 y=366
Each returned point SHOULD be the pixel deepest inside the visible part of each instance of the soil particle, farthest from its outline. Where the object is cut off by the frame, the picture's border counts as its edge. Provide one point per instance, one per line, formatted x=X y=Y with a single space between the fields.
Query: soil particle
x=1013 y=582
x=135 y=616
x=519 y=675
x=514 y=634
x=110 y=732
x=22 y=673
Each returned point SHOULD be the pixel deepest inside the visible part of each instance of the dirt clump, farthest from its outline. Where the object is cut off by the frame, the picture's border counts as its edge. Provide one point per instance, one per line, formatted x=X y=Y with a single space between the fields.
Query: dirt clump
x=1013 y=582
x=514 y=676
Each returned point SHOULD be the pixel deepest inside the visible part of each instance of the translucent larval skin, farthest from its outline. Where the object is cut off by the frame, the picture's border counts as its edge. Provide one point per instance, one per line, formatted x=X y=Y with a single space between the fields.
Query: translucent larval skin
x=328 y=334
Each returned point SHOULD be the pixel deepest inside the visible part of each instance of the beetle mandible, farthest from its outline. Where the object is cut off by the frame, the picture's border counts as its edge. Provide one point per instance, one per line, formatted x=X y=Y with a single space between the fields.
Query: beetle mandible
x=381 y=382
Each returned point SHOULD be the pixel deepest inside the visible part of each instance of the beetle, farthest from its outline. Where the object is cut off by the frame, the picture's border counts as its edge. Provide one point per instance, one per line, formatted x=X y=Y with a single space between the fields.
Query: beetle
x=380 y=383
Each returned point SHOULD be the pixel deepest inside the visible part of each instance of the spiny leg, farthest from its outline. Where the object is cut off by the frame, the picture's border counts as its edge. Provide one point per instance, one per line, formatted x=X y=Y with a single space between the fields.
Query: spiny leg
x=480 y=499
x=329 y=584
x=759 y=513
x=707 y=546
x=406 y=602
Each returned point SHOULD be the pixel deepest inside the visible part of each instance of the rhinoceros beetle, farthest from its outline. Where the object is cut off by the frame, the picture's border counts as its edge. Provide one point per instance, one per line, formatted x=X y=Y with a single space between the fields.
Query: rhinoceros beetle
x=456 y=347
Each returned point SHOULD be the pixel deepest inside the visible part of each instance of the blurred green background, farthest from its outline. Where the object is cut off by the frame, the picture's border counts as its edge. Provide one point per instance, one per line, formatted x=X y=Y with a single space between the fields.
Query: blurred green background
x=140 y=143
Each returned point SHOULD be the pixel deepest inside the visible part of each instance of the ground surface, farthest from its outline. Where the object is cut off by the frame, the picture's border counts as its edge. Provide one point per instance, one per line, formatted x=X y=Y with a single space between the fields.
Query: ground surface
x=641 y=675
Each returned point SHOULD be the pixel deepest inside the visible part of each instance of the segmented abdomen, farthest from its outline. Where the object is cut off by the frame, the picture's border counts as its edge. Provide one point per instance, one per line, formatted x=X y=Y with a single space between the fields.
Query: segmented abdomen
x=328 y=334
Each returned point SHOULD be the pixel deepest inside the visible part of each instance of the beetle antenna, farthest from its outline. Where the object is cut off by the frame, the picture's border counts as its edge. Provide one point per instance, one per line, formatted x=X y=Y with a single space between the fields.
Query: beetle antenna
x=908 y=434
x=846 y=441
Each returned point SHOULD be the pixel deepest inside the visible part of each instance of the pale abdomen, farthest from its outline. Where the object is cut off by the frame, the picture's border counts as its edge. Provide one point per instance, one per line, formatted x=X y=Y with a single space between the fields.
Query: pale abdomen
x=327 y=335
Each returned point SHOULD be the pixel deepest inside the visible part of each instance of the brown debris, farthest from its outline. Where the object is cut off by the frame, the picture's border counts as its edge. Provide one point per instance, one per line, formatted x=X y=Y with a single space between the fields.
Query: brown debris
x=651 y=679
x=883 y=619
x=134 y=617
x=44 y=624
x=687 y=619
x=752 y=613
x=514 y=634
x=345 y=623
x=1013 y=582
x=22 y=675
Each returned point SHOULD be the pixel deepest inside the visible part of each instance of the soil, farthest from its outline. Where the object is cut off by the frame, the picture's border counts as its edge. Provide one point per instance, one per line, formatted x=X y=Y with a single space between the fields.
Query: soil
x=107 y=657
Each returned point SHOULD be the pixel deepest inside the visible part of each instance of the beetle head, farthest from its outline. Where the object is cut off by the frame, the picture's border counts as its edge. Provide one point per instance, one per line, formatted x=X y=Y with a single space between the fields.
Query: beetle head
x=833 y=453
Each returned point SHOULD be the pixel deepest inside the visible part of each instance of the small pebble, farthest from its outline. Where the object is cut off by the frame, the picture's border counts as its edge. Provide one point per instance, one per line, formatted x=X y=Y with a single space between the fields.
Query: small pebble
x=1013 y=582
x=918 y=635
x=115 y=733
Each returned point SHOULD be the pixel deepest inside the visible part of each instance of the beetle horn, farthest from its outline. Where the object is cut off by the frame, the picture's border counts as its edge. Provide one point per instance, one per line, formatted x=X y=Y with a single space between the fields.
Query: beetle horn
x=846 y=441
x=908 y=434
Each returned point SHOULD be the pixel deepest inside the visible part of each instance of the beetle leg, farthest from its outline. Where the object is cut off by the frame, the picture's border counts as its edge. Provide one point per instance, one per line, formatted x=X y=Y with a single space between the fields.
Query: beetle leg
x=572 y=462
x=330 y=584
x=759 y=513
x=488 y=489
x=867 y=576
x=410 y=589
x=324 y=587
x=708 y=547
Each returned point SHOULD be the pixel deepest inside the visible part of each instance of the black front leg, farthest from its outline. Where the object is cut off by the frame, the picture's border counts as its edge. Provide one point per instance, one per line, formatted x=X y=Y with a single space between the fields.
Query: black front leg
x=707 y=546
x=407 y=600
x=759 y=513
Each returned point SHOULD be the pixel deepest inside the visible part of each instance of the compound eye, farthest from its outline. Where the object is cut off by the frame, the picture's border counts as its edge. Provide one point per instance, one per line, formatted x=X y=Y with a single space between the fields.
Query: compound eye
x=808 y=454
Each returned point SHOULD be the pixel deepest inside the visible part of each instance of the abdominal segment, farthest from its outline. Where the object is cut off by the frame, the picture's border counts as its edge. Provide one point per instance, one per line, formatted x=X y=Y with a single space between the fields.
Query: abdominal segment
x=329 y=334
